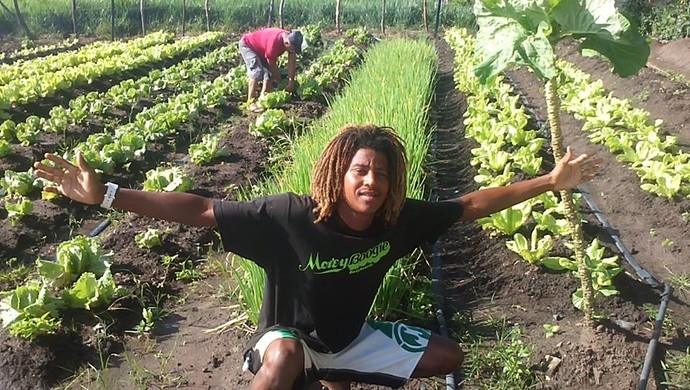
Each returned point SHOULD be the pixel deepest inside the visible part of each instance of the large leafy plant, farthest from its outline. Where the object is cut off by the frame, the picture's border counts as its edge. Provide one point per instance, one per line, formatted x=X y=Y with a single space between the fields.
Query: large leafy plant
x=525 y=32
x=208 y=149
x=79 y=278
x=164 y=179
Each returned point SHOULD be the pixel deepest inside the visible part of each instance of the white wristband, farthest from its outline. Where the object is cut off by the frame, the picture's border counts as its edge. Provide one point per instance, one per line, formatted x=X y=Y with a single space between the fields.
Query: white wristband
x=109 y=195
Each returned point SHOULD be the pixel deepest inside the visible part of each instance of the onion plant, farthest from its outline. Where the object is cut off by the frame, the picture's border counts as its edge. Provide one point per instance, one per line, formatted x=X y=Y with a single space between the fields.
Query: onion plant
x=525 y=32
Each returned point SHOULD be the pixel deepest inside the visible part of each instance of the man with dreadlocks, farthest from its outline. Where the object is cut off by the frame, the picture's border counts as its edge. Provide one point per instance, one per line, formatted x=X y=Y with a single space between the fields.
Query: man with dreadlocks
x=327 y=253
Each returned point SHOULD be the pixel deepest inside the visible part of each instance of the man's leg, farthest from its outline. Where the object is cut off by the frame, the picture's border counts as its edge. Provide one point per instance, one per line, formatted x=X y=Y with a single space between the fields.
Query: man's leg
x=442 y=356
x=255 y=69
x=281 y=365
x=252 y=89
x=266 y=87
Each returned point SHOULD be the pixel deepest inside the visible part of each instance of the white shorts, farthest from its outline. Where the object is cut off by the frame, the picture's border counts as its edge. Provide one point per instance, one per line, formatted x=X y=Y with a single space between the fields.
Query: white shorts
x=384 y=353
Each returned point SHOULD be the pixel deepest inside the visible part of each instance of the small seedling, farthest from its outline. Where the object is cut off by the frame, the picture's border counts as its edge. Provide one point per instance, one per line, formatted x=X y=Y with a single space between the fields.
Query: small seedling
x=686 y=216
x=551 y=330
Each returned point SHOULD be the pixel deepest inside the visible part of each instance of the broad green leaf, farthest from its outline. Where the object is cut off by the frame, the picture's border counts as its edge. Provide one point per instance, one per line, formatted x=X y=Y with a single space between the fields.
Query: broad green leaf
x=503 y=42
x=524 y=32
x=53 y=273
x=600 y=28
x=82 y=292
x=558 y=263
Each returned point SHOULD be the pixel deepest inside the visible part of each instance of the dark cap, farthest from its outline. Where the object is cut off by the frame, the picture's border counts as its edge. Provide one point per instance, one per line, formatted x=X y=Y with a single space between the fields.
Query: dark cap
x=297 y=41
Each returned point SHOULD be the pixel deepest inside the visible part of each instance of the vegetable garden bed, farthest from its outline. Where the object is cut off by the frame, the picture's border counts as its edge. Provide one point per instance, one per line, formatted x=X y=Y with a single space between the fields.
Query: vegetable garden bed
x=491 y=288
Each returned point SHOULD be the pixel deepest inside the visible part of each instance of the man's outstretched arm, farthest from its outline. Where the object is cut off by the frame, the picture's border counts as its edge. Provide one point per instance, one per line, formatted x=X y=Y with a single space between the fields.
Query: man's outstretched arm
x=568 y=173
x=80 y=183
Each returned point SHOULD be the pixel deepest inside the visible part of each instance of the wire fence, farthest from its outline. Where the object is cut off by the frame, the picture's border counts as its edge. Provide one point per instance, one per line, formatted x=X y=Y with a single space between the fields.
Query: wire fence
x=124 y=18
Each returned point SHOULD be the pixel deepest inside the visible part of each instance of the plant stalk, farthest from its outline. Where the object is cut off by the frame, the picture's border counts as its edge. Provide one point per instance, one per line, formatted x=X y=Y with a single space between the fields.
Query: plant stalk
x=553 y=107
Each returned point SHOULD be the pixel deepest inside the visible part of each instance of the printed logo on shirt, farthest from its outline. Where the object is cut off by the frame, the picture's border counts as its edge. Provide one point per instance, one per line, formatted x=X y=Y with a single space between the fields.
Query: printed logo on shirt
x=352 y=264
x=409 y=338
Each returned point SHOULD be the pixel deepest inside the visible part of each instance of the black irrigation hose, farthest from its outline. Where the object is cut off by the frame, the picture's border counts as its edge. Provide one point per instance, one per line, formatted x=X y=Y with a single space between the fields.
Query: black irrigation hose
x=436 y=273
x=437 y=285
x=651 y=349
x=641 y=272
x=99 y=229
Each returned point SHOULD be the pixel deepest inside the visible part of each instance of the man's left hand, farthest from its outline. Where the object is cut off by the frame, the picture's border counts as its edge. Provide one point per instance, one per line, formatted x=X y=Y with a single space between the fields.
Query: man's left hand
x=571 y=172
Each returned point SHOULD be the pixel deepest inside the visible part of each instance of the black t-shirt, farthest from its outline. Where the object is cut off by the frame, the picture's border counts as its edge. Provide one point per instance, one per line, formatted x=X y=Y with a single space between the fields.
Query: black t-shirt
x=326 y=274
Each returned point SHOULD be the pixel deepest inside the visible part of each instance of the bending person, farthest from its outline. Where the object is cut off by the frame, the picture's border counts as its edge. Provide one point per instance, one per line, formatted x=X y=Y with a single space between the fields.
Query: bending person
x=260 y=51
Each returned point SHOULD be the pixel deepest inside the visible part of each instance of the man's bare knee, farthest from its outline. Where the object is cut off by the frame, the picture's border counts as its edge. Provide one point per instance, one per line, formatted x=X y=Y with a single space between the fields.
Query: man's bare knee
x=281 y=366
x=442 y=356
x=284 y=351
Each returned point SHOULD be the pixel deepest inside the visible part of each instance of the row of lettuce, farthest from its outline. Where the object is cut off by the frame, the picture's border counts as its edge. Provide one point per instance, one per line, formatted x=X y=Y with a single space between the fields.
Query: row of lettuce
x=30 y=49
x=80 y=276
x=497 y=121
x=33 y=80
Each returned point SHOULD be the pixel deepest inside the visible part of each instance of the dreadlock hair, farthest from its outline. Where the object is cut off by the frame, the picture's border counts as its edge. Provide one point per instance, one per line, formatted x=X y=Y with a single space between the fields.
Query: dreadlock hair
x=329 y=172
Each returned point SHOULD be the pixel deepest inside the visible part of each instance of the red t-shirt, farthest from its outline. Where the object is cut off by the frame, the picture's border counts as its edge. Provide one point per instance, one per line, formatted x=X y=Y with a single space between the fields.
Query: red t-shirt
x=267 y=42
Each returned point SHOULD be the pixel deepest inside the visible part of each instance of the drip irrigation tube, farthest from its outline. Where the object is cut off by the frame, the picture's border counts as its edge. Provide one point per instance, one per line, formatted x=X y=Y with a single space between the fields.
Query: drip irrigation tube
x=99 y=229
x=436 y=274
x=641 y=272
x=437 y=285
x=651 y=349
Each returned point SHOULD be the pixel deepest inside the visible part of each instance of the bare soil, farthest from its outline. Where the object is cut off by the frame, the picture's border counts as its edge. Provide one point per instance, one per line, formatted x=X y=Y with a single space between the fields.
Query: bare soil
x=481 y=276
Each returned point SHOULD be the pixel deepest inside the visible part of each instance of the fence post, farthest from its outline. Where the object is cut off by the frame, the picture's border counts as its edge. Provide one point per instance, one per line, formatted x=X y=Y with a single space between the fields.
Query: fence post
x=74 y=17
x=281 y=7
x=438 y=18
x=425 y=14
x=208 y=18
x=184 y=16
x=270 y=13
x=141 y=11
x=112 y=20
x=337 y=16
x=383 y=17
x=20 y=20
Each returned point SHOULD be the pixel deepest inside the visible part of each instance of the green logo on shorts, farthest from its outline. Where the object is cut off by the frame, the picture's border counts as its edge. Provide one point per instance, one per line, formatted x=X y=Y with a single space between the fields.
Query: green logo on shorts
x=409 y=338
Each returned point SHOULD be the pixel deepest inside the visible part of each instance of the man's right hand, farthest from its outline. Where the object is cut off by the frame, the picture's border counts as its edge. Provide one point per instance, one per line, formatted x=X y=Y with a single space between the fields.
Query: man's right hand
x=78 y=183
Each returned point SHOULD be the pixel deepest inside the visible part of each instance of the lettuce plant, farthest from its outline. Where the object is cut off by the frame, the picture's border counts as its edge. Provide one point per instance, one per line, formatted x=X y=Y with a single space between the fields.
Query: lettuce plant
x=5 y=148
x=17 y=183
x=8 y=130
x=207 y=150
x=30 y=311
x=170 y=179
x=80 y=278
x=274 y=99
x=18 y=207
x=271 y=122
x=148 y=239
